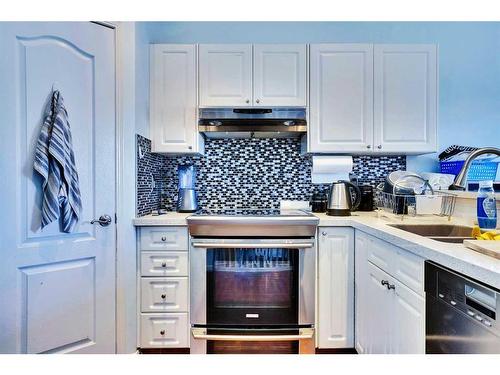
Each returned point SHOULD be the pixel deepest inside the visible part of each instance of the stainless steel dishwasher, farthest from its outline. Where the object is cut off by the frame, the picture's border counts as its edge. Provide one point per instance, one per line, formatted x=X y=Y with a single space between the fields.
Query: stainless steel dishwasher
x=461 y=314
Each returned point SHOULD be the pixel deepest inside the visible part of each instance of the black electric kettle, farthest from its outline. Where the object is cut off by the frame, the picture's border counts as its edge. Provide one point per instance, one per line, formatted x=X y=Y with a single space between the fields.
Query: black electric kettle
x=340 y=199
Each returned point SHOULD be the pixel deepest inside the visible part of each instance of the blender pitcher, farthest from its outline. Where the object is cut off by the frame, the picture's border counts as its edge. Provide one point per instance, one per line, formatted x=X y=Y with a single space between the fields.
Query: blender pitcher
x=187 y=201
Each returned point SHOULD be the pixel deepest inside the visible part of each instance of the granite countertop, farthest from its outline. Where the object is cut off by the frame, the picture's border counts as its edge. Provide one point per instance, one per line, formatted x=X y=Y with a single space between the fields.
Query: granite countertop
x=454 y=256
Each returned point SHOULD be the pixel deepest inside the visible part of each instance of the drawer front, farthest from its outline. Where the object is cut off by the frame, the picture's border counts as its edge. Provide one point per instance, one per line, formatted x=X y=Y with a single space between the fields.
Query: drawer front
x=168 y=294
x=409 y=269
x=401 y=264
x=168 y=330
x=168 y=263
x=380 y=253
x=164 y=238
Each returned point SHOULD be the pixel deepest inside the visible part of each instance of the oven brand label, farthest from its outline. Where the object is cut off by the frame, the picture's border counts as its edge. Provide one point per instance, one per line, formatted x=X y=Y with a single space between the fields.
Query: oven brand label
x=252 y=316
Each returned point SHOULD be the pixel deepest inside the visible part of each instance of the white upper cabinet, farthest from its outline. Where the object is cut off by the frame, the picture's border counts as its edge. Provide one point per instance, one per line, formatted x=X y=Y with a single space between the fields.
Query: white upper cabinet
x=225 y=75
x=246 y=75
x=280 y=75
x=373 y=98
x=341 y=103
x=336 y=287
x=173 y=96
x=405 y=114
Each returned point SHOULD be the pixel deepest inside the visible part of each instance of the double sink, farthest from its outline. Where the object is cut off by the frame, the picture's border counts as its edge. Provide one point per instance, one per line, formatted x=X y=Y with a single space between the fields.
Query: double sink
x=438 y=232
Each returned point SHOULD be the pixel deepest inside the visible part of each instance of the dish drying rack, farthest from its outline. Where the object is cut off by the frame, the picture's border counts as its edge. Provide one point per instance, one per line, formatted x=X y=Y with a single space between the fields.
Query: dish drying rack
x=430 y=202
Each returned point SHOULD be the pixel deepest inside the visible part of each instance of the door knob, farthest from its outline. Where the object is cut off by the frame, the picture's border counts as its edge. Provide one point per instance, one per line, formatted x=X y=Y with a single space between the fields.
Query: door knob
x=103 y=221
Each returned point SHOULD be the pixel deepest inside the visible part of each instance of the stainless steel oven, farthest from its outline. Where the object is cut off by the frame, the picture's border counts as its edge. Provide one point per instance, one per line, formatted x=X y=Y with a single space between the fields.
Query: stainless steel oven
x=252 y=295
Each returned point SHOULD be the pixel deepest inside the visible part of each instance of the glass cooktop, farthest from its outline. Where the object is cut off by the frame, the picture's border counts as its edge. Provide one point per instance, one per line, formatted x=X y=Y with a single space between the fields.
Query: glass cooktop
x=250 y=212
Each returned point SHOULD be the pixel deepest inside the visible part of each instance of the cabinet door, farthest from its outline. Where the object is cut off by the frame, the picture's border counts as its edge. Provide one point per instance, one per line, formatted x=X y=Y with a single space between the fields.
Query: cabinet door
x=280 y=75
x=409 y=326
x=405 y=109
x=336 y=288
x=341 y=103
x=379 y=315
x=225 y=75
x=173 y=110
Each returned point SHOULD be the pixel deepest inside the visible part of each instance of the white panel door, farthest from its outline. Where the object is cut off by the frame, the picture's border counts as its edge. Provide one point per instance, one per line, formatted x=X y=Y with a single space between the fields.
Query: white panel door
x=409 y=326
x=225 y=75
x=405 y=108
x=336 y=288
x=57 y=289
x=341 y=102
x=173 y=111
x=280 y=75
x=379 y=312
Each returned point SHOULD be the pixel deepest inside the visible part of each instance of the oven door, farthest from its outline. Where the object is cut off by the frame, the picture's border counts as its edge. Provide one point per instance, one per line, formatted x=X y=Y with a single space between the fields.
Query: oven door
x=246 y=291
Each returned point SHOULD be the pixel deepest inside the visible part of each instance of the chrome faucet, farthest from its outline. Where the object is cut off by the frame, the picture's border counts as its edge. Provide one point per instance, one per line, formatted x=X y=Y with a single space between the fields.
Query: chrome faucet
x=459 y=183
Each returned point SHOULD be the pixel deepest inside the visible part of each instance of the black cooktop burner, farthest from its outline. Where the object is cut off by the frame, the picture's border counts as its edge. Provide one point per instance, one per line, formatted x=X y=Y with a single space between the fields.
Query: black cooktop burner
x=249 y=212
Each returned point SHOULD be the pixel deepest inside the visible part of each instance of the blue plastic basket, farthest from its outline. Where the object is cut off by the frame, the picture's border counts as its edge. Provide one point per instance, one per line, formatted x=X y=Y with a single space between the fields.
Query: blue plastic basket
x=479 y=170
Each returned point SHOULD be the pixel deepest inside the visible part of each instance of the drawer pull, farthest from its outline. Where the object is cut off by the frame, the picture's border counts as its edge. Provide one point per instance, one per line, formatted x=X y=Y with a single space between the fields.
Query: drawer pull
x=164 y=265
x=162 y=332
x=164 y=238
x=163 y=296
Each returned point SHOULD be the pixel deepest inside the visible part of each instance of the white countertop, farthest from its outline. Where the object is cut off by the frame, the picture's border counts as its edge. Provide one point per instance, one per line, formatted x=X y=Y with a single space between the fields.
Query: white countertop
x=454 y=256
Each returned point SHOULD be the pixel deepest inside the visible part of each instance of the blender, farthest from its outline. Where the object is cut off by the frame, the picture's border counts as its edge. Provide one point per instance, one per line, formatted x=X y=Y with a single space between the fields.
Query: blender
x=187 y=200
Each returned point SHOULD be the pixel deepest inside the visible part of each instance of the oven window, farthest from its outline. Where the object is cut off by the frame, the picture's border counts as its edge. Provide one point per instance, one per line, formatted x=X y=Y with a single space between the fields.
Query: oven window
x=252 y=286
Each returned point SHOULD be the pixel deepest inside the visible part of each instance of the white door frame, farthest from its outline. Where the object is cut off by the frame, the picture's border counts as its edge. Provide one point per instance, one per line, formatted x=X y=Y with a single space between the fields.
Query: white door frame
x=125 y=253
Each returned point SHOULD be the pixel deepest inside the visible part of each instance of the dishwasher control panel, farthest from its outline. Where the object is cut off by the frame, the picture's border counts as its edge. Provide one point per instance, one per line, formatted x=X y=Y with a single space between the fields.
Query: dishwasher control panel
x=476 y=301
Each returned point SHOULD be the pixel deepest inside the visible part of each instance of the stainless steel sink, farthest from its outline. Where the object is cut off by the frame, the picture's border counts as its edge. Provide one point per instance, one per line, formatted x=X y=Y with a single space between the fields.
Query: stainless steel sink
x=438 y=232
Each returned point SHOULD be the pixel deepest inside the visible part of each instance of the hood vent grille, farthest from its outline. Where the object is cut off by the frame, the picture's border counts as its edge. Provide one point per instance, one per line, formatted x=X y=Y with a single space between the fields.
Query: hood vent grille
x=252 y=122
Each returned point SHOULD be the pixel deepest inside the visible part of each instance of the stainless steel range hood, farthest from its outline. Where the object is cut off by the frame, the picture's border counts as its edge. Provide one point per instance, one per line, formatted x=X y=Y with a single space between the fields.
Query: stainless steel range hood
x=252 y=122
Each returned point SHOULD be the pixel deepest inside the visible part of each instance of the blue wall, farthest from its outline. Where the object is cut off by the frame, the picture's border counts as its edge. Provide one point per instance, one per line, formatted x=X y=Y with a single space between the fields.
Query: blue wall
x=469 y=63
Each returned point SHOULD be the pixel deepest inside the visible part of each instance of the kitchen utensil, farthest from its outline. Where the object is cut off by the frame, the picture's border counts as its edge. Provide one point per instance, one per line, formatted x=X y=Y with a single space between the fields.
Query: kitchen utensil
x=366 y=203
x=319 y=202
x=187 y=200
x=340 y=201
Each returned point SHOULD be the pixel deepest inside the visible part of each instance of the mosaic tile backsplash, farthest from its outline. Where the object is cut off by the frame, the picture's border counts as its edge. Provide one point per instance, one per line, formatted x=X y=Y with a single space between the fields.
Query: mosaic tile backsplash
x=243 y=173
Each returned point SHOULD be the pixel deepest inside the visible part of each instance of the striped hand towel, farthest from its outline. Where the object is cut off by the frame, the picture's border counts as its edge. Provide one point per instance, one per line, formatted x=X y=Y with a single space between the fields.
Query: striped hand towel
x=55 y=162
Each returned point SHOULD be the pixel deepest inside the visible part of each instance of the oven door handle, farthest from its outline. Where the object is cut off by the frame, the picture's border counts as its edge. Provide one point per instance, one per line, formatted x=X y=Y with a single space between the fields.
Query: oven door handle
x=252 y=245
x=201 y=334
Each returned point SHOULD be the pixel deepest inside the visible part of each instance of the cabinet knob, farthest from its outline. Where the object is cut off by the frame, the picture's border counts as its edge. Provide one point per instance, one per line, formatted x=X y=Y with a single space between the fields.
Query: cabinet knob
x=324 y=233
x=164 y=238
x=164 y=265
x=163 y=296
x=368 y=146
x=391 y=286
x=162 y=332
x=190 y=147
x=257 y=101
x=247 y=101
x=379 y=147
x=384 y=282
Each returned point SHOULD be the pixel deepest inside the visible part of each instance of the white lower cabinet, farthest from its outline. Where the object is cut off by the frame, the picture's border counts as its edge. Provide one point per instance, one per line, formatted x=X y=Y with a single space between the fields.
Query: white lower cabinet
x=390 y=316
x=169 y=294
x=335 y=287
x=163 y=287
x=164 y=330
